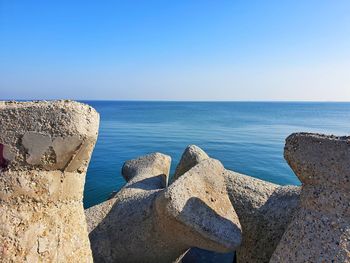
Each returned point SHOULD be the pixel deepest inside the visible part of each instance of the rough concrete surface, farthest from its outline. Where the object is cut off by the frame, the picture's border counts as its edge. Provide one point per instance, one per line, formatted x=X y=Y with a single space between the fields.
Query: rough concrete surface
x=320 y=229
x=264 y=210
x=145 y=222
x=45 y=149
x=192 y=156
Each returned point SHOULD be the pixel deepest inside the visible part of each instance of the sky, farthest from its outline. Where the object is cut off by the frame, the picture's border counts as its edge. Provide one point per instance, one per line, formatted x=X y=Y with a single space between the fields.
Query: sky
x=291 y=50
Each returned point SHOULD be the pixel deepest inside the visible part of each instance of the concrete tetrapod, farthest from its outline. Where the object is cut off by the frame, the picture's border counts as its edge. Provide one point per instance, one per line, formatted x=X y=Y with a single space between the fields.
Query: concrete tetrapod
x=192 y=156
x=145 y=222
x=264 y=210
x=45 y=149
x=320 y=229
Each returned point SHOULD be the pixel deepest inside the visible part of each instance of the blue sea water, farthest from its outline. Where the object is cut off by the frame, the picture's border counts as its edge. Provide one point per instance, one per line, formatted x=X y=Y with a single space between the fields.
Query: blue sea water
x=247 y=137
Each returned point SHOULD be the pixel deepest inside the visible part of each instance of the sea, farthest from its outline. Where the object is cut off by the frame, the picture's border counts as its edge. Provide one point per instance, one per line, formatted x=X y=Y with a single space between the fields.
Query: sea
x=247 y=137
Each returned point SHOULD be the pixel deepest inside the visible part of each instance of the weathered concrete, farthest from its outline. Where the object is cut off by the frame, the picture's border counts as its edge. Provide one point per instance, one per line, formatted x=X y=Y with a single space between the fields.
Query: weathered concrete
x=45 y=149
x=320 y=229
x=146 y=223
x=192 y=156
x=264 y=210
x=153 y=169
x=144 y=175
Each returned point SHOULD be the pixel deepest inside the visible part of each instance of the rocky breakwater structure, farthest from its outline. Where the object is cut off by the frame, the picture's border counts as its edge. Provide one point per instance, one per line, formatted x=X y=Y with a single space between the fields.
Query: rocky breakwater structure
x=264 y=209
x=45 y=149
x=320 y=229
x=148 y=221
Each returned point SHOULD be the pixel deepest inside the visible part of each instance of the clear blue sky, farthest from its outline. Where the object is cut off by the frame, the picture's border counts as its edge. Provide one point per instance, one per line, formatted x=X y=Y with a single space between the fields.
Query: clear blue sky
x=175 y=50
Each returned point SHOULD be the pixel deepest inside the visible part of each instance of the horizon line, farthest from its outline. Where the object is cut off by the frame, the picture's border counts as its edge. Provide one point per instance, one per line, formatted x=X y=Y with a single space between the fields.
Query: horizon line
x=152 y=100
x=166 y=100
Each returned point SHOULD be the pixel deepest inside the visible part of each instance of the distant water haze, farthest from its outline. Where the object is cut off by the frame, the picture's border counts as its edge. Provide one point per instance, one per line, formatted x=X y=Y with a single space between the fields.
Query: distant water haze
x=247 y=137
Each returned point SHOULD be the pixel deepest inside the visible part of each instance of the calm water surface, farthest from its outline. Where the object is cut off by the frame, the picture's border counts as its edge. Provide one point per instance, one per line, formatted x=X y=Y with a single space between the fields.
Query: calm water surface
x=247 y=137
